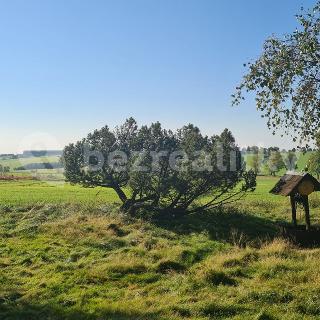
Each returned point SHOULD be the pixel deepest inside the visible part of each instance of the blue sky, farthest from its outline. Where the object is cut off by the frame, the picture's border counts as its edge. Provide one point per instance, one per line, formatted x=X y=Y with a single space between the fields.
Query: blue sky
x=70 y=66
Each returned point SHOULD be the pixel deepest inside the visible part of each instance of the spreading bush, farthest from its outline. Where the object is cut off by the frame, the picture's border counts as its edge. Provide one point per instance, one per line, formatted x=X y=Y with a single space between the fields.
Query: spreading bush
x=150 y=167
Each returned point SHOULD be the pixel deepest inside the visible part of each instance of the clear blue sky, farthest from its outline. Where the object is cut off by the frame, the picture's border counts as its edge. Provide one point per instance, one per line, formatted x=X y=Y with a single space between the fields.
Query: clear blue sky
x=70 y=66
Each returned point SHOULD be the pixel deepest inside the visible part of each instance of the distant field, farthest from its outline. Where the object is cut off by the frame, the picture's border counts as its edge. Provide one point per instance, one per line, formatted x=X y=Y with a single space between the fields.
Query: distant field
x=14 y=163
x=57 y=174
x=302 y=159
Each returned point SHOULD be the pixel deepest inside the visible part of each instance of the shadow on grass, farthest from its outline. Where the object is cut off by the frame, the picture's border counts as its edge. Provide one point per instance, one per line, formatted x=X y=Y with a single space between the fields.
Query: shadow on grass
x=46 y=312
x=223 y=224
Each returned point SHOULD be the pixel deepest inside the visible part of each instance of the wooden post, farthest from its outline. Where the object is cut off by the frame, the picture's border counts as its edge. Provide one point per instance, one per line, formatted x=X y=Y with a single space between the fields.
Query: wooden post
x=307 y=211
x=294 y=210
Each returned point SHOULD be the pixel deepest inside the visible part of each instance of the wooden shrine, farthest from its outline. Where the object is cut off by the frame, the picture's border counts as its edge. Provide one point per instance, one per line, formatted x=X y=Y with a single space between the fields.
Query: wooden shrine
x=298 y=186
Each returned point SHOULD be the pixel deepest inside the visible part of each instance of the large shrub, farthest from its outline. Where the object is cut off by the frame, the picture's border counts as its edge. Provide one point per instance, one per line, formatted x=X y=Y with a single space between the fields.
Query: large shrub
x=152 y=167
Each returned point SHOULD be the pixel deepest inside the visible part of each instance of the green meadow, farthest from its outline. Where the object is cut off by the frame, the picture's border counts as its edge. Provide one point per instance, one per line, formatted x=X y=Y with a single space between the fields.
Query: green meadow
x=33 y=192
x=66 y=252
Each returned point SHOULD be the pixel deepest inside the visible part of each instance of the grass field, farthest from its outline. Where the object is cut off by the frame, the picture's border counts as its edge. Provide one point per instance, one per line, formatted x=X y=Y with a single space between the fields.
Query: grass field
x=58 y=192
x=28 y=193
x=67 y=253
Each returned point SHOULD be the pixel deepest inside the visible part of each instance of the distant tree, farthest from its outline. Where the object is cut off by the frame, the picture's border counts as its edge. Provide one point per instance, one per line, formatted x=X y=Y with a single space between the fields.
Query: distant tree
x=6 y=169
x=254 y=149
x=271 y=149
x=286 y=79
x=275 y=163
x=124 y=160
x=255 y=162
x=317 y=140
x=291 y=161
x=314 y=163
x=264 y=153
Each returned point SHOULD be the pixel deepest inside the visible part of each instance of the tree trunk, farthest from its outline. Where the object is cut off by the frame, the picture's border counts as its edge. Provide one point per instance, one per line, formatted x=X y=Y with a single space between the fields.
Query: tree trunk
x=120 y=193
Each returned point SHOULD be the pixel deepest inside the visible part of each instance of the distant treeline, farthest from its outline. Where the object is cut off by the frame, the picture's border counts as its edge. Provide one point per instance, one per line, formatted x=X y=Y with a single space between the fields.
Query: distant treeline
x=41 y=153
x=268 y=150
x=45 y=165
x=8 y=156
x=31 y=154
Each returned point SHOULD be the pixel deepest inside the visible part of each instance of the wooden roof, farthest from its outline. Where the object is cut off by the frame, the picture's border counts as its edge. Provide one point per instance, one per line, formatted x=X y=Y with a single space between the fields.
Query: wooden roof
x=289 y=183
